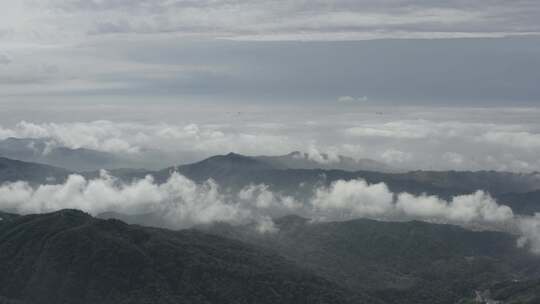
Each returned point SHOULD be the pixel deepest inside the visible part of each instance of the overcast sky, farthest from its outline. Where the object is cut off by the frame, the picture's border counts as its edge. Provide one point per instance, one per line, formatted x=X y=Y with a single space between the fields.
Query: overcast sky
x=267 y=51
x=235 y=66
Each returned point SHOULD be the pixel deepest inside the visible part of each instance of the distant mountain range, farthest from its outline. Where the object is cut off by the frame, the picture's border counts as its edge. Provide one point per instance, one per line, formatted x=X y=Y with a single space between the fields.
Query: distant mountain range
x=82 y=159
x=40 y=151
x=521 y=191
x=16 y=170
x=302 y=160
x=235 y=170
x=71 y=257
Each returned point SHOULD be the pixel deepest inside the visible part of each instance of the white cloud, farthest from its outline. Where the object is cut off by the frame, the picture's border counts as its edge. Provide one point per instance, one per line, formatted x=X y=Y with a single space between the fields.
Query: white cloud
x=262 y=197
x=530 y=230
x=132 y=137
x=395 y=129
x=182 y=203
x=315 y=155
x=179 y=201
x=523 y=139
x=350 y=99
x=99 y=135
x=476 y=207
x=421 y=206
x=355 y=198
x=346 y=99
x=266 y=225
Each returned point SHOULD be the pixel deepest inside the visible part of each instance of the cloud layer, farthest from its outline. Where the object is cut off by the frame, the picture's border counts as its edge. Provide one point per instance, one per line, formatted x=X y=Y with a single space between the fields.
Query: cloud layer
x=270 y=20
x=181 y=203
x=233 y=50
x=432 y=138
x=356 y=198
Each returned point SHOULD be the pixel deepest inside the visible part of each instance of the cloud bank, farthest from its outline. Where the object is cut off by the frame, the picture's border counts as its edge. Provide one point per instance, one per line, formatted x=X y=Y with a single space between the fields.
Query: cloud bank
x=356 y=198
x=407 y=138
x=182 y=203
x=179 y=202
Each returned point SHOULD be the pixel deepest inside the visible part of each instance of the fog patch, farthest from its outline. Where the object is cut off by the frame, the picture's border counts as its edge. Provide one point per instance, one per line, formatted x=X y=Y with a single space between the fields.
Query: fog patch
x=530 y=231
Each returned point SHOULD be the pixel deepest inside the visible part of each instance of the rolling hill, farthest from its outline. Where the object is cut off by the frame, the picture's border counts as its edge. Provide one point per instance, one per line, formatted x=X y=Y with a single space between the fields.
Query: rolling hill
x=398 y=262
x=70 y=257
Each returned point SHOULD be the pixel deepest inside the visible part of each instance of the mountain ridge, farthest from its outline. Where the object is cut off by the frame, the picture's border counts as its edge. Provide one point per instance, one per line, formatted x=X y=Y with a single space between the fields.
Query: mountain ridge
x=398 y=262
x=70 y=257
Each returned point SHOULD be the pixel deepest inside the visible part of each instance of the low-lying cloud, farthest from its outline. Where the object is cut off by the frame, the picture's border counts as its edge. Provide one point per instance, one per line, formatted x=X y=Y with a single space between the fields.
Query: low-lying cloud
x=356 y=198
x=344 y=200
x=475 y=207
x=441 y=140
x=530 y=231
x=181 y=203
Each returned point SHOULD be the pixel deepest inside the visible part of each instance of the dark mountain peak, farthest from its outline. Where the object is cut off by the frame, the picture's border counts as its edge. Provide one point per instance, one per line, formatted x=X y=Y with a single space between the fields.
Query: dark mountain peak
x=235 y=157
x=296 y=154
x=70 y=213
x=291 y=219
x=9 y=162
x=62 y=219
x=234 y=161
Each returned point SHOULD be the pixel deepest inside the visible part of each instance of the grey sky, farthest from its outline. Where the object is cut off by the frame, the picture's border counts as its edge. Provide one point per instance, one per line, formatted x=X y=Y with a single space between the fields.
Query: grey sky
x=268 y=51
x=419 y=84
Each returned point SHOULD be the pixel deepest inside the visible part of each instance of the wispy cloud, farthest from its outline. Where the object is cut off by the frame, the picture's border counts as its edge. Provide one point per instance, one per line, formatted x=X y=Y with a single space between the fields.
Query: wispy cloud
x=290 y=20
